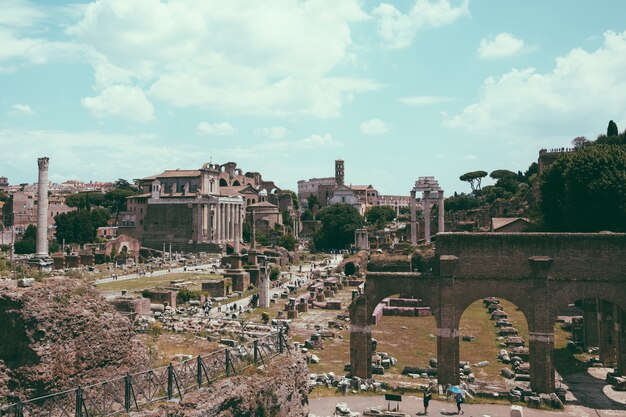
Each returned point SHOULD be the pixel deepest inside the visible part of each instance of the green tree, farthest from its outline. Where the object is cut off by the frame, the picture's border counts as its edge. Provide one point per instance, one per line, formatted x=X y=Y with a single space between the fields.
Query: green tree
x=287 y=241
x=80 y=226
x=474 y=178
x=611 y=129
x=379 y=215
x=339 y=222
x=86 y=200
x=461 y=202
x=117 y=199
x=7 y=212
x=28 y=243
x=585 y=191
x=306 y=215
x=499 y=174
x=312 y=201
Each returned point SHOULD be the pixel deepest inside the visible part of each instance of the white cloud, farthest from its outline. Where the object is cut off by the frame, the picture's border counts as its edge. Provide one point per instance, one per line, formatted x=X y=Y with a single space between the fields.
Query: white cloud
x=423 y=100
x=215 y=129
x=398 y=29
x=264 y=58
x=122 y=101
x=374 y=127
x=274 y=132
x=582 y=92
x=502 y=45
x=21 y=109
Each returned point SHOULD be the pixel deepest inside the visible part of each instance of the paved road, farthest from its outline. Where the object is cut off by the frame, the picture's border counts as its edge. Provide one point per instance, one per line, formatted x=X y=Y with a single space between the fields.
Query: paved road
x=156 y=273
x=324 y=406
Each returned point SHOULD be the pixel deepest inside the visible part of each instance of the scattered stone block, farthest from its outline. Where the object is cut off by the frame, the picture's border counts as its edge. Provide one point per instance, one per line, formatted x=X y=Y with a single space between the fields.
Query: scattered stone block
x=25 y=282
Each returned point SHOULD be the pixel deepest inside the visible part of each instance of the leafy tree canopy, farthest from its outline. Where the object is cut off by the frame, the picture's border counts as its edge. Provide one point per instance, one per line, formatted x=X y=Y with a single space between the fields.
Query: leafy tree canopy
x=80 y=226
x=585 y=191
x=294 y=199
x=474 y=178
x=379 y=215
x=312 y=201
x=339 y=222
x=461 y=202
x=499 y=174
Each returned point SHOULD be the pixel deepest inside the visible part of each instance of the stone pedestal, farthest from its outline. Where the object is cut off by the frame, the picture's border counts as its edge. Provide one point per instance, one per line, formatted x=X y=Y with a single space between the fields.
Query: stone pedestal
x=254 y=276
x=240 y=279
x=542 y=362
x=360 y=345
x=292 y=314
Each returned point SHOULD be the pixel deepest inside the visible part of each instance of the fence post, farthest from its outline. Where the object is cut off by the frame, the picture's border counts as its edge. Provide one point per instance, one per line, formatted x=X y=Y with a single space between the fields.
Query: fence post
x=227 y=362
x=280 y=340
x=170 y=381
x=199 y=371
x=127 y=392
x=78 y=412
x=255 y=345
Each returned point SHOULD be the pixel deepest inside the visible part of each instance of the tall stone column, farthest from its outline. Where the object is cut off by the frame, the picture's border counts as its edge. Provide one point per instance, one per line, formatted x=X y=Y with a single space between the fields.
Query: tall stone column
x=541 y=328
x=199 y=223
x=447 y=327
x=605 y=325
x=218 y=222
x=413 y=218
x=252 y=231
x=224 y=222
x=209 y=224
x=360 y=340
x=232 y=221
x=264 y=288
x=619 y=323
x=42 y=208
x=590 y=322
x=441 y=212
x=426 y=216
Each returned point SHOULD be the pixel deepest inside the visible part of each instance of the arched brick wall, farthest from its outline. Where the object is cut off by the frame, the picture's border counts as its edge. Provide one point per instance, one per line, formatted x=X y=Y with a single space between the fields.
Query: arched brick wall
x=539 y=272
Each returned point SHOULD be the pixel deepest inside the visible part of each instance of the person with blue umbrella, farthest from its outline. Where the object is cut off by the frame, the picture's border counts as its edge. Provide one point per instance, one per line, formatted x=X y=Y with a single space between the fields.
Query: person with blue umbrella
x=459 y=397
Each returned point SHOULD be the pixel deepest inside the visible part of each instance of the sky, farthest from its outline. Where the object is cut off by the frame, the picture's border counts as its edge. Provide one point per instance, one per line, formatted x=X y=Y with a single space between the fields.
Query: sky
x=126 y=89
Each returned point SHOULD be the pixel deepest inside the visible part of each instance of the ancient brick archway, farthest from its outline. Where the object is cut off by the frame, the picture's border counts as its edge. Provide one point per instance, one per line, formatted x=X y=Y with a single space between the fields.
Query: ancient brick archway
x=539 y=272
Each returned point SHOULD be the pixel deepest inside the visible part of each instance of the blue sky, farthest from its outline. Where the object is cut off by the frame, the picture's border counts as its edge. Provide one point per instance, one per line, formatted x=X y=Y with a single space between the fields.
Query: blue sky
x=398 y=90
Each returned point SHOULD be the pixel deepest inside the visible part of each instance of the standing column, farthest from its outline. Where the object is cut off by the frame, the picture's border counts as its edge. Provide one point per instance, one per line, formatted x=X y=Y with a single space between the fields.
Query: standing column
x=252 y=230
x=605 y=324
x=426 y=208
x=223 y=222
x=209 y=224
x=541 y=328
x=218 y=222
x=199 y=225
x=590 y=322
x=413 y=219
x=619 y=323
x=42 y=208
x=360 y=340
x=441 y=211
x=232 y=221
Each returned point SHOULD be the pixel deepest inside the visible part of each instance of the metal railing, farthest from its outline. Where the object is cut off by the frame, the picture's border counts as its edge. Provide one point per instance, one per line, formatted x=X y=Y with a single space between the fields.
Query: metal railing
x=130 y=392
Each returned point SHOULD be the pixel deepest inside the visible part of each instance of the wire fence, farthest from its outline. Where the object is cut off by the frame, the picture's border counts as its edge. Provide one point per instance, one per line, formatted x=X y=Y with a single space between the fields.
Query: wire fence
x=130 y=392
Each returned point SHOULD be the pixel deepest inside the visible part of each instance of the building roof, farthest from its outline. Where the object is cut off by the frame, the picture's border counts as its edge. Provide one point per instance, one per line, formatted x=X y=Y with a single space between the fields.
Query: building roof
x=262 y=204
x=499 y=222
x=360 y=187
x=175 y=173
x=234 y=190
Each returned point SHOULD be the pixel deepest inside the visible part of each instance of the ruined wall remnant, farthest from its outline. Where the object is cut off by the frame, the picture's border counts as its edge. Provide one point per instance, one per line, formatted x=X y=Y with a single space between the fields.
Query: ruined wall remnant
x=61 y=333
x=281 y=391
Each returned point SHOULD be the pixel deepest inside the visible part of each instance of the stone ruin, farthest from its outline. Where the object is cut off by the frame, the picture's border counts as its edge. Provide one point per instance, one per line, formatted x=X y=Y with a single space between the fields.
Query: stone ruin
x=60 y=333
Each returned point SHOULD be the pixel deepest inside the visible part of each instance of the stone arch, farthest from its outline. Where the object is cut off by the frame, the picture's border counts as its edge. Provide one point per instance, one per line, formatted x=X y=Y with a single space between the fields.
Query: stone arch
x=236 y=183
x=223 y=183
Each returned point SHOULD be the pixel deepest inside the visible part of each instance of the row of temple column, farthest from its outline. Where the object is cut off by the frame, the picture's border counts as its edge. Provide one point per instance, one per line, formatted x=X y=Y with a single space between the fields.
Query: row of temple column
x=219 y=222
x=426 y=208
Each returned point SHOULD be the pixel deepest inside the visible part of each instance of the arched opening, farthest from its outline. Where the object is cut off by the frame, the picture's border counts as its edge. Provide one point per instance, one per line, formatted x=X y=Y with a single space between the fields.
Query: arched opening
x=404 y=341
x=223 y=183
x=494 y=345
x=589 y=351
x=236 y=183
